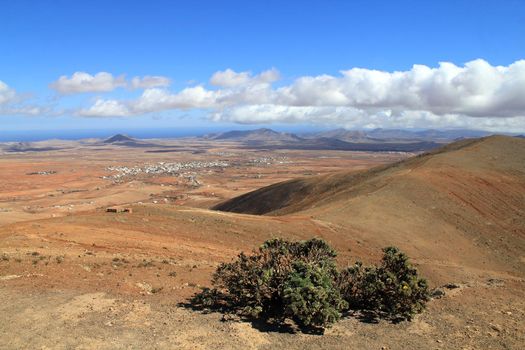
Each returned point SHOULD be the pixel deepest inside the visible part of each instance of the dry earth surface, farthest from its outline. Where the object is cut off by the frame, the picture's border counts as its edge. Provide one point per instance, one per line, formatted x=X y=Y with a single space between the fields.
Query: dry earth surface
x=75 y=276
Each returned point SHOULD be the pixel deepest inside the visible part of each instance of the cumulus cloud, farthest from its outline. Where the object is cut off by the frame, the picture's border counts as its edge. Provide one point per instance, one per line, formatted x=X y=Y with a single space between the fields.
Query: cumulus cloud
x=105 y=108
x=149 y=81
x=12 y=103
x=82 y=82
x=476 y=89
x=6 y=93
x=229 y=78
x=356 y=118
x=153 y=100
x=475 y=95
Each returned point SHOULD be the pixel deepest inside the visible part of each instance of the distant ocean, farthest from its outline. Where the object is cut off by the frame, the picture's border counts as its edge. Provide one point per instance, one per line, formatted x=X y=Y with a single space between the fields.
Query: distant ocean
x=41 y=135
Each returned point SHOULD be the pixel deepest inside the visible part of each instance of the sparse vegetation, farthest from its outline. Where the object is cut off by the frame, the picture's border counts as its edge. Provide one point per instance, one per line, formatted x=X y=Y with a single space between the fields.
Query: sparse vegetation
x=299 y=281
x=311 y=296
x=116 y=261
x=146 y=263
x=391 y=290
x=156 y=290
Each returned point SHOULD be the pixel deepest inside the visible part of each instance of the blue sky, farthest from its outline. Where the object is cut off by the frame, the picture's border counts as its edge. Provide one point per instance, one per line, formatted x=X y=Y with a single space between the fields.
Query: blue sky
x=307 y=44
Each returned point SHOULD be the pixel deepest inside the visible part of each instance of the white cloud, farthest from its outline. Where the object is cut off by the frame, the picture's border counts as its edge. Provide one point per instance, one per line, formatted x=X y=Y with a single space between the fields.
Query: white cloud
x=268 y=76
x=477 y=89
x=475 y=95
x=82 y=82
x=149 y=81
x=229 y=78
x=153 y=100
x=356 y=118
x=12 y=103
x=105 y=108
x=6 y=93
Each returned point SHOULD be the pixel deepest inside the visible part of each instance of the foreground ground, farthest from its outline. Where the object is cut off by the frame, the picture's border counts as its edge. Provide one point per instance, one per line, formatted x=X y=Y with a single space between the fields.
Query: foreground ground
x=74 y=276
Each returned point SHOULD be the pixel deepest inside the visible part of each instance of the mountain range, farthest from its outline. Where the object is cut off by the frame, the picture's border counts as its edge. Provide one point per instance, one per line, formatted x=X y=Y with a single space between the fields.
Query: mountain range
x=342 y=139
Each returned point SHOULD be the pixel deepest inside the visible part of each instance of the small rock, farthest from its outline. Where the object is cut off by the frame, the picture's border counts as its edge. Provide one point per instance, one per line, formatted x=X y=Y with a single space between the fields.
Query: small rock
x=451 y=286
x=495 y=282
x=496 y=327
x=437 y=293
x=9 y=277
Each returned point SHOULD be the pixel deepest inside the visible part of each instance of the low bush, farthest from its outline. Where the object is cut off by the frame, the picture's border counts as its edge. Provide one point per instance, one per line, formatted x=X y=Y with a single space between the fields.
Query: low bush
x=299 y=281
x=311 y=297
x=281 y=280
x=391 y=290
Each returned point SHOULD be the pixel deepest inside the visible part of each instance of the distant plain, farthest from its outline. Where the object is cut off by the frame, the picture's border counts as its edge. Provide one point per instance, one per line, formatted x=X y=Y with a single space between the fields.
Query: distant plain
x=70 y=267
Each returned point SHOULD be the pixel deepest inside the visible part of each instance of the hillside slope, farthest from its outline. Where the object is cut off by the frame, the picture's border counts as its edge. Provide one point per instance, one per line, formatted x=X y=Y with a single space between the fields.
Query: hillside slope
x=464 y=203
x=496 y=155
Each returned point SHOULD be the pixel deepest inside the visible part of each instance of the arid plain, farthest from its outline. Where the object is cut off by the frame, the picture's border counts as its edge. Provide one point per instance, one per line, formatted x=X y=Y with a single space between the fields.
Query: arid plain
x=73 y=275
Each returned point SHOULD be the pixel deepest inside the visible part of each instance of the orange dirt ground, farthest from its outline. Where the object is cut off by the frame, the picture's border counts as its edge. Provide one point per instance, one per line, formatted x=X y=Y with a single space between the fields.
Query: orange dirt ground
x=75 y=276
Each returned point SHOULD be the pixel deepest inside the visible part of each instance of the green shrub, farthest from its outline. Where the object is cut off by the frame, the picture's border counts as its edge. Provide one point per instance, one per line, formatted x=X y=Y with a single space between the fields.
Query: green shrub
x=359 y=286
x=300 y=281
x=310 y=296
x=393 y=289
x=274 y=281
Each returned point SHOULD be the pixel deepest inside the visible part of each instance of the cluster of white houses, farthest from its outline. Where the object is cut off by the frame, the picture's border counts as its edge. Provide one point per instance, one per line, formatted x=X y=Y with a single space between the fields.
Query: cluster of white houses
x=162 y=168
